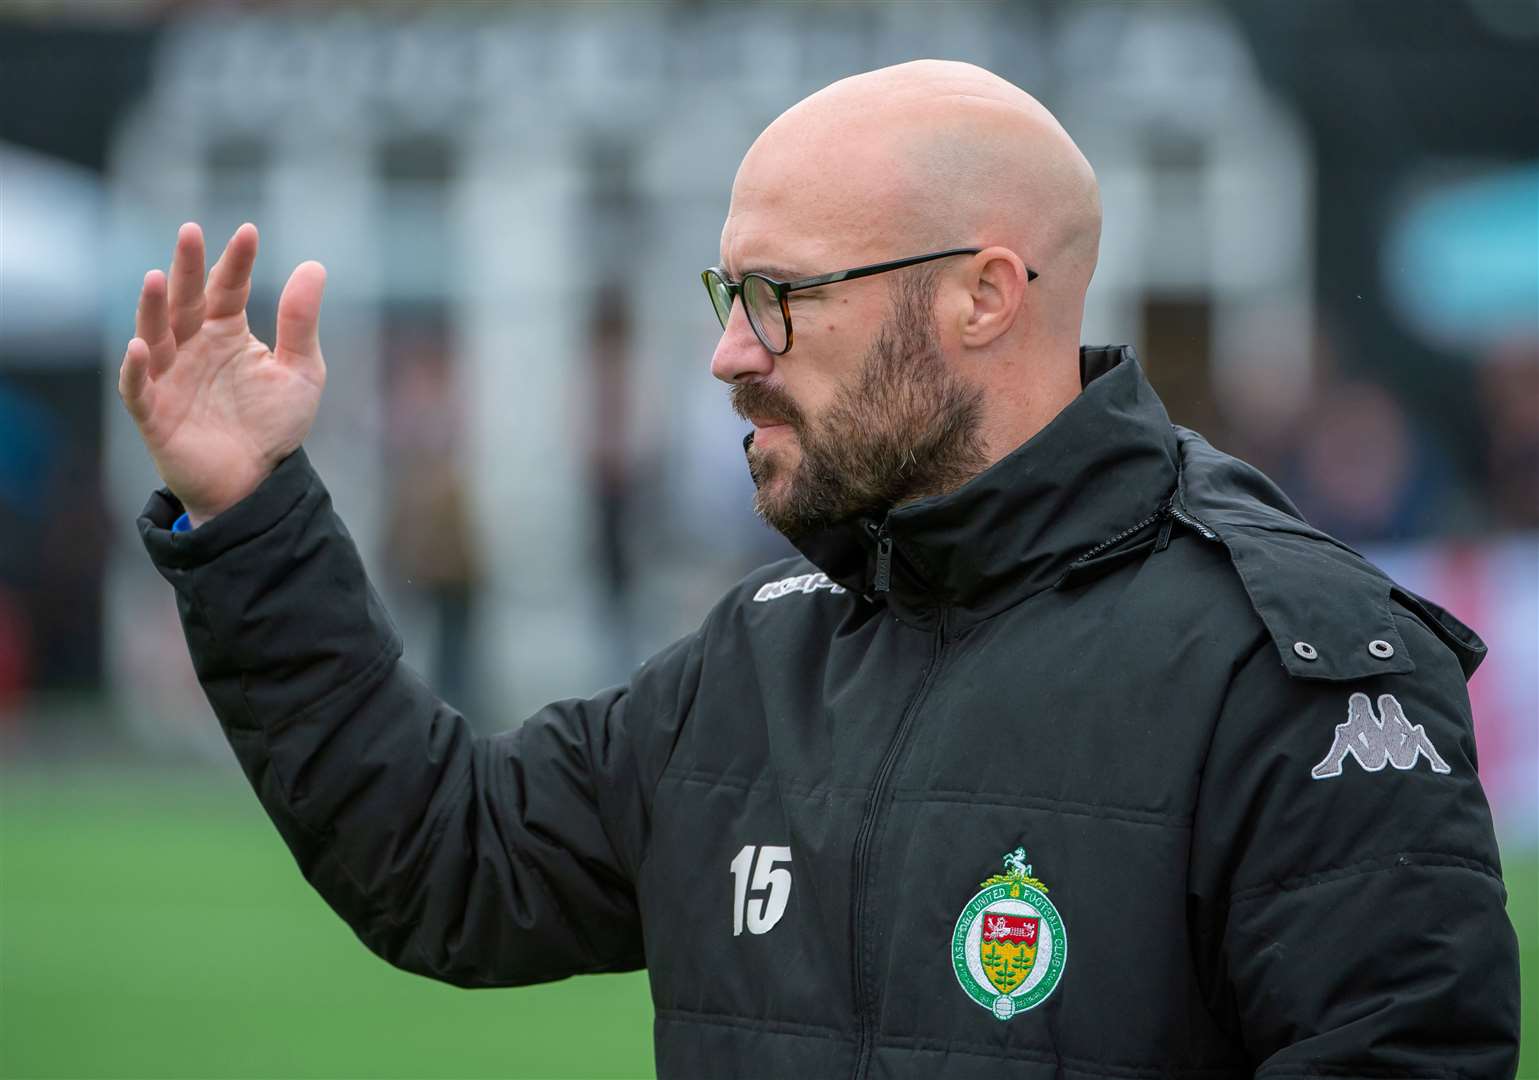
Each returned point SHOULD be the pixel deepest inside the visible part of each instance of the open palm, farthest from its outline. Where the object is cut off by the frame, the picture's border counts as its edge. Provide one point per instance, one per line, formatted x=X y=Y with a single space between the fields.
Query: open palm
x=216 y=407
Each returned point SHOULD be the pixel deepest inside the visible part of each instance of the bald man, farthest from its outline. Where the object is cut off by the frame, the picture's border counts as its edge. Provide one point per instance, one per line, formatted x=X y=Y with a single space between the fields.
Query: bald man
x=1068 y=750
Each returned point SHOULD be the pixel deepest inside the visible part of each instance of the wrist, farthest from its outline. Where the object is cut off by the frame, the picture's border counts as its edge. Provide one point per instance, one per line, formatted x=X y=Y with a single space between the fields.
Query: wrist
x=197 y=515
x=199 y=510
x=289 y=485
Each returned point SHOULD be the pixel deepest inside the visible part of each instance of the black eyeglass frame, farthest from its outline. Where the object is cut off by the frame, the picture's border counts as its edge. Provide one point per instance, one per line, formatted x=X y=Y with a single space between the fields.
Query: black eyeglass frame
x=783 y=289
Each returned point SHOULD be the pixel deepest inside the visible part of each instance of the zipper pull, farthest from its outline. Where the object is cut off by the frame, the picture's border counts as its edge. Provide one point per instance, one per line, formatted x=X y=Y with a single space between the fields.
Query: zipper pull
x=1163 y=541
x=883 y=560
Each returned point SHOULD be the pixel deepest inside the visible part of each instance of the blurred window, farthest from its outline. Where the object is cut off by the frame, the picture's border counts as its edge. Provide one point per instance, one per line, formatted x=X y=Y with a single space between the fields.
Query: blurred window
x=237 y=174
x=417 y=174
x=1178 y=343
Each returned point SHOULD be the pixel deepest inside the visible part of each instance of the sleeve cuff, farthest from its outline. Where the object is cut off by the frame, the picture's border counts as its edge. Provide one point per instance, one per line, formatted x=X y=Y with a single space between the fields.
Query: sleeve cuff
x=172 y=544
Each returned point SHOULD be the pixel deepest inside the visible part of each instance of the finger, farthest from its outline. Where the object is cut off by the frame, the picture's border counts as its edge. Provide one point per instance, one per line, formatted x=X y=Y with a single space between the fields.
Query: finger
x=150 y=323
x=229 y=282
x=186 y=284
x=299 y=315
x=134 y=379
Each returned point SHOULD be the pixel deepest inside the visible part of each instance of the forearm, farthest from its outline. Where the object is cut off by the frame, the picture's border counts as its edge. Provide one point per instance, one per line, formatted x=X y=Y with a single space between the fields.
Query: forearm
x=409 y=827
x=278 y=611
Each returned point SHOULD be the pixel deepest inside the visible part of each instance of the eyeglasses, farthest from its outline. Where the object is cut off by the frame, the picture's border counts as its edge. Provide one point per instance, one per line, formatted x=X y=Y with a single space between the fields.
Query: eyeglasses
x=766 y=300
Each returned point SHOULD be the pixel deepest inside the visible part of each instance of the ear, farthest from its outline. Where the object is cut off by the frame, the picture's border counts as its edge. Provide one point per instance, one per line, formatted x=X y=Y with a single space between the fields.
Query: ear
x=996 y=280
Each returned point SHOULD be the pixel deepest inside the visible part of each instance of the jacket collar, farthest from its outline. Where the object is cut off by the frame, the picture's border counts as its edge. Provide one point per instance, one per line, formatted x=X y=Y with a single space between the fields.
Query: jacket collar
x=1107 y=462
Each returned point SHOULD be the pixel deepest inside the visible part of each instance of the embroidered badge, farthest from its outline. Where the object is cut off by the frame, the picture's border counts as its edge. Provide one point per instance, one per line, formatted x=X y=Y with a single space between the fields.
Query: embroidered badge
x=1009 y=947
x=1376 y=741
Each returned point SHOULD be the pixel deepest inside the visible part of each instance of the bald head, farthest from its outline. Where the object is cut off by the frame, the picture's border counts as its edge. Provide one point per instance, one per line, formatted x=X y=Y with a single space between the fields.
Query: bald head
x=921 y=156
x=903 y=385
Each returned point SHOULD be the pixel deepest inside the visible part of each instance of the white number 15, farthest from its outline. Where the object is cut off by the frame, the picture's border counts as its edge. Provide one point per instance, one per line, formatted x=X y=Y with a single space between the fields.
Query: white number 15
x=760 y=913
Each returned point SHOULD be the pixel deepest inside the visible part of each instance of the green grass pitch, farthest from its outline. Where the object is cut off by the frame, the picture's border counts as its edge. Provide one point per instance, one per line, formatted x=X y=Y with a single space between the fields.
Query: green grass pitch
x=153 y=925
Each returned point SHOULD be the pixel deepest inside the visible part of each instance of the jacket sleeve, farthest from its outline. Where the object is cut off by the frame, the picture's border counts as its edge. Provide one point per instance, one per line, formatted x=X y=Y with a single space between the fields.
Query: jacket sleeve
x=1349 y=908
x=480 y=861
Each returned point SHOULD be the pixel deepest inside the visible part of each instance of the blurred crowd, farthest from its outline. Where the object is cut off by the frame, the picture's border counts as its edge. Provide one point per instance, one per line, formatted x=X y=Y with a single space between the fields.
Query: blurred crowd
x=1335 y=278
x=1365 y=464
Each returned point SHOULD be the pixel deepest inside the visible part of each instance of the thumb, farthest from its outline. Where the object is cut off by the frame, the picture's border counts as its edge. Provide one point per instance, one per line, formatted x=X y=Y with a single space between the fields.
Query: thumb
x=299 y=314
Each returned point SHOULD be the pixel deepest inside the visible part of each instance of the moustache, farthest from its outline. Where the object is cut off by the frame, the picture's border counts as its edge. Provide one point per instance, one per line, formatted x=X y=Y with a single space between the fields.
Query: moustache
x=759 y=401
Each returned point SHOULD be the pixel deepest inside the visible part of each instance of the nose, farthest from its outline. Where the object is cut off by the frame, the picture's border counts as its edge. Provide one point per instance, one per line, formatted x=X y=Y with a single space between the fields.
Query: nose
x=740 y=354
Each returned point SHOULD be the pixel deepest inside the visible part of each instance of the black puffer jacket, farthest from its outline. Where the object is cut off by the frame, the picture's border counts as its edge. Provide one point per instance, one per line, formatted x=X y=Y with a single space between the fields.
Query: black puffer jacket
x=1105 y=765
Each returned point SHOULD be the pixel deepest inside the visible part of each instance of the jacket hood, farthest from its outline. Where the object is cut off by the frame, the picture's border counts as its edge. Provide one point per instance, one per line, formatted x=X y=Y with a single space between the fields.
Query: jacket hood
x=1102 y=466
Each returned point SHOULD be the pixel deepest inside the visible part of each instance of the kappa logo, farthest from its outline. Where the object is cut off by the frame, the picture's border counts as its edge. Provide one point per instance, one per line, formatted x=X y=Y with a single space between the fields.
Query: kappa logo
x=1009 y=947
x=1376 y=741
x=801 y=583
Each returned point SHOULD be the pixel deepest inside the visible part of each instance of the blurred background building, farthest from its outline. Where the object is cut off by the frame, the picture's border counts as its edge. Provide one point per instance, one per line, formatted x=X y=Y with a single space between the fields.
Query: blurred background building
x=1321 y=233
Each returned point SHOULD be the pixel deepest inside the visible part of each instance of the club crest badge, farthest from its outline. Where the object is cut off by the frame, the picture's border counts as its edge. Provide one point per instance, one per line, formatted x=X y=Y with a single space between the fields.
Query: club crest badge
x=1009 y=947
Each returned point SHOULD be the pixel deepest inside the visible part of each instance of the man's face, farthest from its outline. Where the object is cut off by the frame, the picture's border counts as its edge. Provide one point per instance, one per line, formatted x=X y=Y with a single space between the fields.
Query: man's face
x=889 y=391
x=867 y=409
x=871 y=430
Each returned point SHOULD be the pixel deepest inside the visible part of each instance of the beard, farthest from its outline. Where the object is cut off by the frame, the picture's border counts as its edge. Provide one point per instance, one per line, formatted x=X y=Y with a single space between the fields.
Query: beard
x=903 y=428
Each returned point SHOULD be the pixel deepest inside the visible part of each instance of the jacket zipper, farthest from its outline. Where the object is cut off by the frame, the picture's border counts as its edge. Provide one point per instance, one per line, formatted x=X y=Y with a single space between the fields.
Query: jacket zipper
x=1111 y=542
x=865 y=1011
x=1169 y=511
x=883 y=538
x=1190 y=522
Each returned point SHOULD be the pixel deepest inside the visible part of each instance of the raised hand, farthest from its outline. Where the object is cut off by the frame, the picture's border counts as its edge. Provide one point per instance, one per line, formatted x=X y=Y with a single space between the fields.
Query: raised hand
x=216 y=408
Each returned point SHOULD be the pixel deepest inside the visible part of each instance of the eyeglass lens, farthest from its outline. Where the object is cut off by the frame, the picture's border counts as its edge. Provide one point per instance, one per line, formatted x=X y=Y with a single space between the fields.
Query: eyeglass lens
x=721 y=296
x=764 y=312
x=759 y=301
